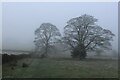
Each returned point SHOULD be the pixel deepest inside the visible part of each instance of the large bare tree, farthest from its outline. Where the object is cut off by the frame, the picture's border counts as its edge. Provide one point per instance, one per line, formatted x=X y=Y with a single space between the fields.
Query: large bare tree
x=82 y=34
x=46 y=35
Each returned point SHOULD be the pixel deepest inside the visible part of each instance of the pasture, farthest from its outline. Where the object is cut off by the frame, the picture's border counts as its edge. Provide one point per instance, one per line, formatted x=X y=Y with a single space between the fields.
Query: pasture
x=62 y=68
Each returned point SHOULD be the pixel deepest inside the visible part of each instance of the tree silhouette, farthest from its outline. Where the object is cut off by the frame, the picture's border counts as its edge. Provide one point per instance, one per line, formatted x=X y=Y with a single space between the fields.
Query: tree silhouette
x=46 y=36
x=82 y=34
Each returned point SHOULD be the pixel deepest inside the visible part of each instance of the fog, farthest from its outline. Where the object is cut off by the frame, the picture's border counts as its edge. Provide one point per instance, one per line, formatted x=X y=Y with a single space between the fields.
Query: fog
x=20 y=20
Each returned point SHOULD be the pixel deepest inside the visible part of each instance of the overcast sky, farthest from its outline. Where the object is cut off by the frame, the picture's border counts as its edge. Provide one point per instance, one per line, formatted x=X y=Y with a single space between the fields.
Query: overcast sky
x=20 y=20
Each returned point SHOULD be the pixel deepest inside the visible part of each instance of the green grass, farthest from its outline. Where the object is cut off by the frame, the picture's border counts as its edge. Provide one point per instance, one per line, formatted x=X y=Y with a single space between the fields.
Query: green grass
x=63 y=68
x=0 y=71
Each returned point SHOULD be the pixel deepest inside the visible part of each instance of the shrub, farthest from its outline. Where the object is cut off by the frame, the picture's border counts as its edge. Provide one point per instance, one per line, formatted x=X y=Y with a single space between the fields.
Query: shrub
x=9 y=58
x=12 y=68
x=24 y=65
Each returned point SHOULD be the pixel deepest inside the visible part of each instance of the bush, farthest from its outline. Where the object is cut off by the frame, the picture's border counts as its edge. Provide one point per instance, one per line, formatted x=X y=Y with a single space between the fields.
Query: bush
x=24 y=65
x=12 y=68
x=9 y=58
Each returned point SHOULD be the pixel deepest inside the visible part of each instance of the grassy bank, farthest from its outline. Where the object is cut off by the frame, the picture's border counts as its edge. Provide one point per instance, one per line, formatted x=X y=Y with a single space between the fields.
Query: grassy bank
x=62 y=68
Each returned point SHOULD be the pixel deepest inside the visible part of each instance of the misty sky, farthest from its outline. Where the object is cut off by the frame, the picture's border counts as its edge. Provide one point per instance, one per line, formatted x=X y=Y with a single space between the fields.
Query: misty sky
x=20 y=20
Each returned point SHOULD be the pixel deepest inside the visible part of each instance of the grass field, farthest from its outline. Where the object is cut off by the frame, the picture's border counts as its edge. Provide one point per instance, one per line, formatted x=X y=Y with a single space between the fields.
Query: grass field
x=62 y=68
x=0 y=71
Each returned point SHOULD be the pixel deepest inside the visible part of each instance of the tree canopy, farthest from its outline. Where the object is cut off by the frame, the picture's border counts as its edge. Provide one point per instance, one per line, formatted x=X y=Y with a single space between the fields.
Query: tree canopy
x=46 y=35
x=83 y=34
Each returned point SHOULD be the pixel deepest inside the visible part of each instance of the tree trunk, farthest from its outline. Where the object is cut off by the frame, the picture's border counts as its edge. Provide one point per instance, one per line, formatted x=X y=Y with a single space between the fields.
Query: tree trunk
x=82 y=54
x=79 y=52
x=46 y=50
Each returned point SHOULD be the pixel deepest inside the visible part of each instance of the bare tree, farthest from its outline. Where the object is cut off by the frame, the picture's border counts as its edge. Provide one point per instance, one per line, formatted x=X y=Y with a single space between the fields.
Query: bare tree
x=46 y=35
x=82 y=34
